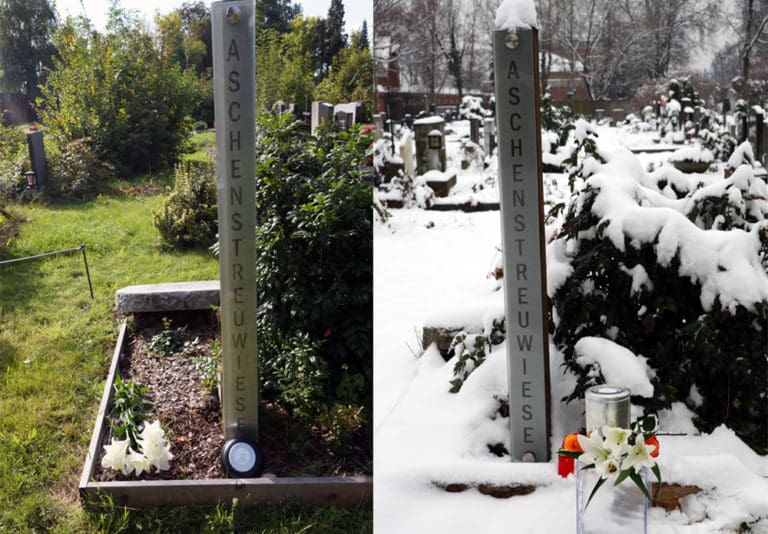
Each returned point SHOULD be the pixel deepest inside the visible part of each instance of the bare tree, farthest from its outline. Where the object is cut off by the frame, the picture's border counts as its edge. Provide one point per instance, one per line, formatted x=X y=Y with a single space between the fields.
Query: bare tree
x=753 y=44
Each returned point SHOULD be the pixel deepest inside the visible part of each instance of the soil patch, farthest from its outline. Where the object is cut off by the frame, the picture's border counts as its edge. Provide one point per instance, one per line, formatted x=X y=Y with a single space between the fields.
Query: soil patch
x=191 y=414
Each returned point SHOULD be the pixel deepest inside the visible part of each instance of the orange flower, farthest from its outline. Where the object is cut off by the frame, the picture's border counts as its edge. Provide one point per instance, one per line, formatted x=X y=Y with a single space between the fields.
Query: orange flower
x=571 y=443
x=655 y=442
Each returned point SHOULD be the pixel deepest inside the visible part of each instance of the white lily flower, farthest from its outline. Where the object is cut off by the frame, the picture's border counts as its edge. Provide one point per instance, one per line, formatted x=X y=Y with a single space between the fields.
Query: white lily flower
x=594 y=452
x=137 y=461
x=638 y=456
x=615 y=439
x=115 y=456
x=610 y=467
x=158 y=454
x=152 y=432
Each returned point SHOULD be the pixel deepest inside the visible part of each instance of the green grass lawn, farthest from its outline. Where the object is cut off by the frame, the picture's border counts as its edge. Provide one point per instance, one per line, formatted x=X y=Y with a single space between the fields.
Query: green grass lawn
x=55 y=347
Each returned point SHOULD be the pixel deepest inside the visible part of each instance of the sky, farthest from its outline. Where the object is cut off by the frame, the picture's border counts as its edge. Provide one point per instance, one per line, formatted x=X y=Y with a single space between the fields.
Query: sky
x=355 y=11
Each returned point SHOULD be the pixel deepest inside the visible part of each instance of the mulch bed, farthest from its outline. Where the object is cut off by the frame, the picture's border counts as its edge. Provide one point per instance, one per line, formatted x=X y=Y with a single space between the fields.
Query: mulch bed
x=191 y=415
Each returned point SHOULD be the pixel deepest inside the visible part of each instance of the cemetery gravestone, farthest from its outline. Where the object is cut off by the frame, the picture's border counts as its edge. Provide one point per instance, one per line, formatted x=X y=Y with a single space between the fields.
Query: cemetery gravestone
x=378 y=126
x=474 y=130
x=406 y=154
x=37 y=156
x=321 y=112
x=489 y=137
x=421 y=129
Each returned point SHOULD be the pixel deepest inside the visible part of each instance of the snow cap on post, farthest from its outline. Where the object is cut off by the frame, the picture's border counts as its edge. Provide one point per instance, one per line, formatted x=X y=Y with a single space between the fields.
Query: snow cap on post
x=512 y=14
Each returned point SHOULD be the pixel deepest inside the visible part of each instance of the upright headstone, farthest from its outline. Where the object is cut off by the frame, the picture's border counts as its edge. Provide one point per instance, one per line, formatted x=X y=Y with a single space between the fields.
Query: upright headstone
x=37 y=156
x=406 y=153
x=344 y=120
x=421 y=129
x=322 y=112
x=522 y=230
x=234 y=84
x=474 y=130
x=378 y=126
x=489 y=136
x=352 y=111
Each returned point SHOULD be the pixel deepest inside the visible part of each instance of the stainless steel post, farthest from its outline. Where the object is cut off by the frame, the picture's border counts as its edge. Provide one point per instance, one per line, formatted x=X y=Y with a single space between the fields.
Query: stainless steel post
x=522 y=230
x=234 y=81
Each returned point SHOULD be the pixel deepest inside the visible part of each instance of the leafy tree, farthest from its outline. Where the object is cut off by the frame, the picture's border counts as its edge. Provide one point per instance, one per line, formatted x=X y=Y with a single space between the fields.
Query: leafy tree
x=196 y=19
x=288 y=59
x=275 y=14
x=116 y=89
x=351 y=78
x=170 y=35
x=26 y=28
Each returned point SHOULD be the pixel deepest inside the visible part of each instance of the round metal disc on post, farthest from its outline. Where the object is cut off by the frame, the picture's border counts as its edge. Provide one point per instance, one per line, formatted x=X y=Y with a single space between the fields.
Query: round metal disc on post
x=242 y=458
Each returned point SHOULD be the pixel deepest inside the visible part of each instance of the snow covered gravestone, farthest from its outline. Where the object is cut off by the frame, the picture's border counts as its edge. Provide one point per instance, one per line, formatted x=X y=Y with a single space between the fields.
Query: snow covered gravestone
x=515 y=49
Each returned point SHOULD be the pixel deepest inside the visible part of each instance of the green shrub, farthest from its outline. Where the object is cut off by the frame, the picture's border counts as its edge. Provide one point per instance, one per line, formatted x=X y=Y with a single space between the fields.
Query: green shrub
x=314 y=263
x=75 y=172
x=13 y=158
x=188 y=218
x=116 y=89
x=313 y=255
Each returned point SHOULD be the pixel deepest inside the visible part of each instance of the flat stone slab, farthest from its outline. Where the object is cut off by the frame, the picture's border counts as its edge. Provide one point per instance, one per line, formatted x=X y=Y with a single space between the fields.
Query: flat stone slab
x=175 y=296
x=440 y=182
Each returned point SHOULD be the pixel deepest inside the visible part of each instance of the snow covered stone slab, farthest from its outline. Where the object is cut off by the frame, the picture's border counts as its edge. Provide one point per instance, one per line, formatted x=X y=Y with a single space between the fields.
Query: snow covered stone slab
x=175 y=296
x=440 y=182
x=441 y=327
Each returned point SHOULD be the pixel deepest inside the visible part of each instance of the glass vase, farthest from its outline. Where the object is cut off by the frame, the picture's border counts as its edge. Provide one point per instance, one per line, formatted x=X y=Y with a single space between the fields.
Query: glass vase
x=622 y=508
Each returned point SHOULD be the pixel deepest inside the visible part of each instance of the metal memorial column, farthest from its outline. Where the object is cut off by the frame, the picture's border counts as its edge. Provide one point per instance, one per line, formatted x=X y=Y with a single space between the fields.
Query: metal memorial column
x=522 y=229
x=234 y=81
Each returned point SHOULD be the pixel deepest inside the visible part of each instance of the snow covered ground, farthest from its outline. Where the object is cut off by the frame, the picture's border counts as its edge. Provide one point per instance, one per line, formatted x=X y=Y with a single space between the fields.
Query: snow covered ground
x=432 y=267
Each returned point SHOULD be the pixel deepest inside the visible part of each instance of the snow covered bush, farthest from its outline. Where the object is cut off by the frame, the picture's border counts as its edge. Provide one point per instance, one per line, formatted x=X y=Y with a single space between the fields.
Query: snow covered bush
x=718 y=141
x=677 y=276
x=471 y=107
x=471 y=351
x=555 y=120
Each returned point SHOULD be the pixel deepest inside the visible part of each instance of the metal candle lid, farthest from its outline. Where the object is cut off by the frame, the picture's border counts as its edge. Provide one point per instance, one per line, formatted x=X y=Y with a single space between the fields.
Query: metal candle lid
x=607 y=405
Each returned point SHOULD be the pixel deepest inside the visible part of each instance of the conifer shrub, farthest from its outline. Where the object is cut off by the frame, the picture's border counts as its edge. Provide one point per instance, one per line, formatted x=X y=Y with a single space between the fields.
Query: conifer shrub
x=678 y=277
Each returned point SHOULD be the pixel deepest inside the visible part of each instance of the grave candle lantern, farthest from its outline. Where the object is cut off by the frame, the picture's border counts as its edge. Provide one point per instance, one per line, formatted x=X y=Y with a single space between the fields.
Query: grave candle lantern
x=435 y=140
x=606 y=405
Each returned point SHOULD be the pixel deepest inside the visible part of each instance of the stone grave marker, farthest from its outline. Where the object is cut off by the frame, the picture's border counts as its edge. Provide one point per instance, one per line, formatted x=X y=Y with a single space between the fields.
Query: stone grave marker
x=474 y=130
x=321 y=112
x=37 y=156
x=421 y=129
x=378 y=126
x=489 y=136
x=406 y=153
